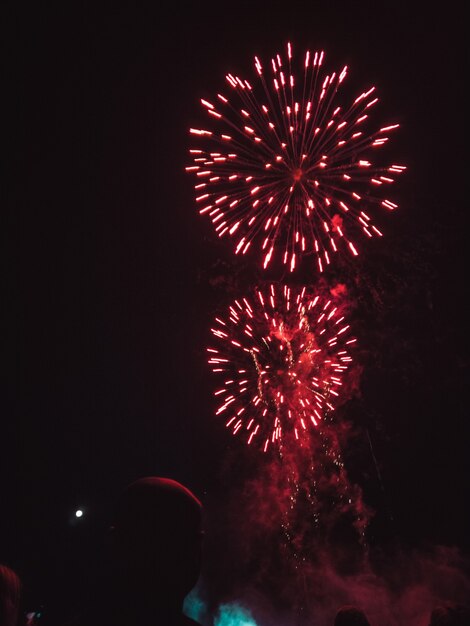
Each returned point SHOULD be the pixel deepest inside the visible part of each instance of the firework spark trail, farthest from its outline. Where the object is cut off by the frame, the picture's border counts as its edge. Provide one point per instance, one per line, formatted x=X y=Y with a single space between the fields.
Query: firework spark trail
x=289 y=169
x=282 y=357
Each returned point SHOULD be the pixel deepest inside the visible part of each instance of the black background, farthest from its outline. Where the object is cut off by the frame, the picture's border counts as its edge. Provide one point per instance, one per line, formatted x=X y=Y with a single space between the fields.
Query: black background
x=111 y=276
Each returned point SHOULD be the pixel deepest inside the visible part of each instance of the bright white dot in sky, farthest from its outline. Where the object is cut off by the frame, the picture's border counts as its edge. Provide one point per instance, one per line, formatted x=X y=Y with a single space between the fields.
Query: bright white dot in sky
x=78 y=513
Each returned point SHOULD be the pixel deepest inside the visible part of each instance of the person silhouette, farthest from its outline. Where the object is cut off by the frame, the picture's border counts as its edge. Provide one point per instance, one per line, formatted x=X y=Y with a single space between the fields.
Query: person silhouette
x=450 y=615
x=154 y=556
x=350 y=616
x=10 y=596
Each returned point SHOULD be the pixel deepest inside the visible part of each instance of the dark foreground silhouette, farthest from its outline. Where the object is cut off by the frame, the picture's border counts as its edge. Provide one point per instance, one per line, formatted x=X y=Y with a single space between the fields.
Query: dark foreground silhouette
x=154 y=557
x=450 y=615
x=10 y=593
x=351 y=616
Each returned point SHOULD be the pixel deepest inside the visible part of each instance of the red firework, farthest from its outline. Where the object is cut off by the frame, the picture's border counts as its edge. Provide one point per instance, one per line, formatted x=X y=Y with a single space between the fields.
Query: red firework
x=287 y=168
x=281 y=357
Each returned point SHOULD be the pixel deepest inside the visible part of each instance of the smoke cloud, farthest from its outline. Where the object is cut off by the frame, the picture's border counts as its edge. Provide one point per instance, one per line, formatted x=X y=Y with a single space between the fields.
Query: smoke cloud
x=287 y=545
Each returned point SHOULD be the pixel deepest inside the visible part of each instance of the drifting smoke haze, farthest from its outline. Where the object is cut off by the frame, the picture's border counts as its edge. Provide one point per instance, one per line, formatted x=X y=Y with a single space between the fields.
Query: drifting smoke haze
x=289 y=542
x=265 y=577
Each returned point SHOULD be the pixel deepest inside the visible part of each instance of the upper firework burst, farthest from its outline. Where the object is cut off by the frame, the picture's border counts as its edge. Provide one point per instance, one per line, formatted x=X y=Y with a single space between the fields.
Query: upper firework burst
x=286 y=167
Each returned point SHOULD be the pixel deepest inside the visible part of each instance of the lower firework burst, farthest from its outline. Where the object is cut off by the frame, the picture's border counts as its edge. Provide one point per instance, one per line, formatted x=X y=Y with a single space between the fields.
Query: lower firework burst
x=282 y=356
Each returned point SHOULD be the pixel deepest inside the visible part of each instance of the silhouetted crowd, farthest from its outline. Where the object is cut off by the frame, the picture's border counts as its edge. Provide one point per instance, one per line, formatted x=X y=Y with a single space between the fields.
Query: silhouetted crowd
x=153 y=561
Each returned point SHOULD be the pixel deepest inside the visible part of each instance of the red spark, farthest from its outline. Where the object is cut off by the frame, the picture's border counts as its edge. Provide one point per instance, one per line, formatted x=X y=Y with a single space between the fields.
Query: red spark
x=281 y=165
x=281 y=357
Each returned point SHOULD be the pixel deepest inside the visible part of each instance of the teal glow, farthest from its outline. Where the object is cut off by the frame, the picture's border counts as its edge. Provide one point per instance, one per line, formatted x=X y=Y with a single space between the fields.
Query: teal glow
x=233 y=615
x=194 y=607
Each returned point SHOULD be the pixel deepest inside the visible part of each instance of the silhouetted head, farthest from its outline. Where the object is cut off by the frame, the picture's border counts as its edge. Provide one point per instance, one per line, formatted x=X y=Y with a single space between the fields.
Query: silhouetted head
x=351 y=616
x=10 y=592
x=450 y=615
x=157 y=541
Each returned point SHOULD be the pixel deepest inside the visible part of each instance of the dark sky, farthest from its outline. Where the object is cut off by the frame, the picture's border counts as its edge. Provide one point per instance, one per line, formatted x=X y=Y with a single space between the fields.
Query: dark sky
x=108 y=266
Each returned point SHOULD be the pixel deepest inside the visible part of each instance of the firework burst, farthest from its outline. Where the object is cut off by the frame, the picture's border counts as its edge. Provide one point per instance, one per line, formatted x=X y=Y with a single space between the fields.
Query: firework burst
x=281 y=357
x=285 y=167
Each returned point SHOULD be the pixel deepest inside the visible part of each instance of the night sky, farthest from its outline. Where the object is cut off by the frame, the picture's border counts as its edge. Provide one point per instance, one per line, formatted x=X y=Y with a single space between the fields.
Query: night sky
x=112 y=278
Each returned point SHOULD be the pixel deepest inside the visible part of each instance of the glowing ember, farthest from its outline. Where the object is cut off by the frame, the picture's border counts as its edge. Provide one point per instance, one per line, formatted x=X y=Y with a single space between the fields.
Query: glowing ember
x=281 y=357
x=283 y=166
